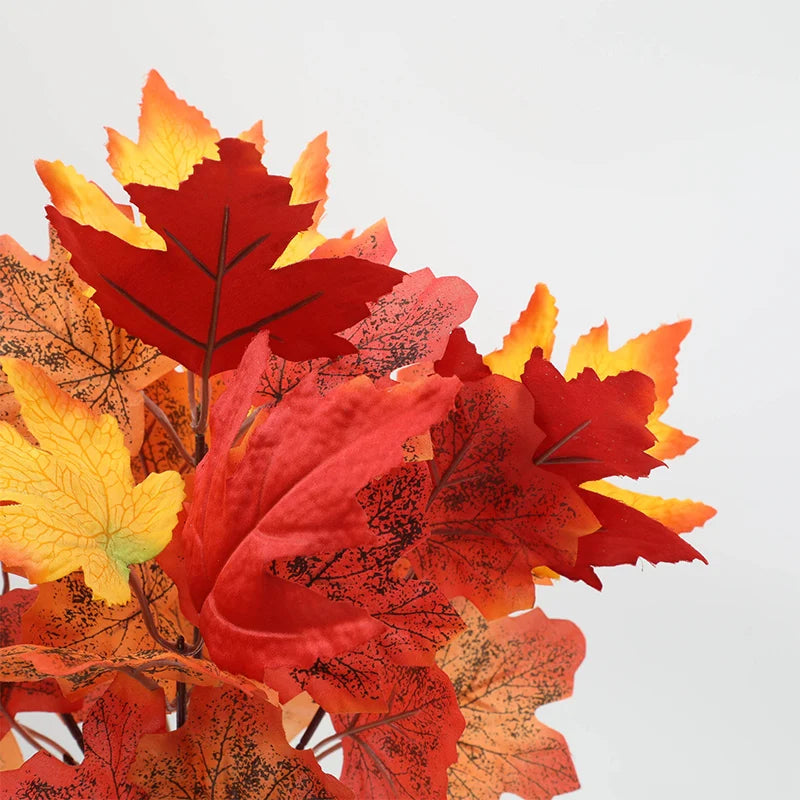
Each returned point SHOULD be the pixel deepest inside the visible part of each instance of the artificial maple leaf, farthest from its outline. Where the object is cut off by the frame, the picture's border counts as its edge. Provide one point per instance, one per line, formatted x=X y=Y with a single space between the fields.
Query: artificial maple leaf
x=534 y=328
x=503 y=672
x=493 y=514
x=86 y=203
x=461 y=359
x=412 y=323
x=654 y=354
x=173 y=137
x=418 y=617
x=46 y=318
x=309 y=180
x=405 y=751
x=116 y=721
x=22 y=695
x=75 y=503
x=204 y=298
x=78 y=671
x=374 y=243
x=64 y=615
x=626 y=535
x=231 y=746
x=288 y=493
x=593 y=428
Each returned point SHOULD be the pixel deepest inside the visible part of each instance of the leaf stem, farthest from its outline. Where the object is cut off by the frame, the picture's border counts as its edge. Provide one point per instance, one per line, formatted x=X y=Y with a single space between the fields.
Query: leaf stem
x=33 y=738
x=147 y=616
x=74 y=729
x=542 y=459
x=167 y=425
x=365 y=727
x=6 y=581
x=319 y=715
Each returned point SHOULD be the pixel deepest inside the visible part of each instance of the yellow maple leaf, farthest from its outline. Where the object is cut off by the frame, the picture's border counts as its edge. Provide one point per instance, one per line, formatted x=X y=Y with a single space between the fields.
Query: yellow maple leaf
x=75 y=504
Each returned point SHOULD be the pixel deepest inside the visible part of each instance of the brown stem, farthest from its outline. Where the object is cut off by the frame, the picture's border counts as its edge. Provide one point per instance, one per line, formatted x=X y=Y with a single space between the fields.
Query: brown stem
x=41 y=738
x=74 y=729
x=6 y=581
x=366 y=726
x=147 y=615
x=331 y=749
x=319 y=715
x=167 y=425
x=190 y=376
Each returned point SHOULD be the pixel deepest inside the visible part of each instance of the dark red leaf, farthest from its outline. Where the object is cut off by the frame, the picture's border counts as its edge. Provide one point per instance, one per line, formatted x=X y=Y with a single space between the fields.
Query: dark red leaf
x=461 y=359
x=593 y=429
x=625 y=536
x=205 y=297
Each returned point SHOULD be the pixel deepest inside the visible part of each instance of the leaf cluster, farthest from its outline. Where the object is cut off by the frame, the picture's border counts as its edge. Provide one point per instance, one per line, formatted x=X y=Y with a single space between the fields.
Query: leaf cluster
x=257 y=477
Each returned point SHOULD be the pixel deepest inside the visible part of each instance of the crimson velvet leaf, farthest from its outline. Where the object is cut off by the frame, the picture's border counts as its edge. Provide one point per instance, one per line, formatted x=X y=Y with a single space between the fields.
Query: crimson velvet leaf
x=289 y=489
x=204 y=298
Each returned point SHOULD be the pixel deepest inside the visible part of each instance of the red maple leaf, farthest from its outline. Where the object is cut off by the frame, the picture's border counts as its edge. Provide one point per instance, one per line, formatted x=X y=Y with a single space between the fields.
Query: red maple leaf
x=493 y=514
x=290 y=490
x=418 y=618
x=204 y=297
x=593 y=428
x=625 y=536
x=404 y=752
x=116 y=720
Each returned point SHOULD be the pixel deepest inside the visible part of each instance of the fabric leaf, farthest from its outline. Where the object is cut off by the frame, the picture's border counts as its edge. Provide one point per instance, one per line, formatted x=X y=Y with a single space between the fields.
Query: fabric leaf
x=535 y=328
x=655 y=354
x=291 y=491
x=232 y=746
x=75 y=505
x=503 y=672
x=116 y=721
x=204 y=298
x=404 y=752
x=46 y=318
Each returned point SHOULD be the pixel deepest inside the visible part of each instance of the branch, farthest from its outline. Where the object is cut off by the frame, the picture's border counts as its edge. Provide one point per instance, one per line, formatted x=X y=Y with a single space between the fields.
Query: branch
x=167 y=425
x=147 y=615
x=319 y=715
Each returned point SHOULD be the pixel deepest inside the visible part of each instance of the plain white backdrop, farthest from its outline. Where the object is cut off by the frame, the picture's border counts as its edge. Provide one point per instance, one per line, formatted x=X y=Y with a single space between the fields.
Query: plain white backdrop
x=642 y=159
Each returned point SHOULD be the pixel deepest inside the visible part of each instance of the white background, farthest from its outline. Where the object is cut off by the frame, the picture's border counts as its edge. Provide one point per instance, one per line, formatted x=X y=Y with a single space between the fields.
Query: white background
x=639 y=157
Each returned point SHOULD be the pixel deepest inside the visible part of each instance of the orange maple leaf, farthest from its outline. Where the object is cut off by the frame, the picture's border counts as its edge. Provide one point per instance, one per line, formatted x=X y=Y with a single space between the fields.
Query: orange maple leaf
x=74 y=502
x=503 y=671
x=46 y=318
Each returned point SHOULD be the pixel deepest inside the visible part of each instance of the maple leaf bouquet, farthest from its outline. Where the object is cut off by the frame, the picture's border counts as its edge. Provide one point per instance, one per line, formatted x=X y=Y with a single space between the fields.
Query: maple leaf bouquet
x=260 y=477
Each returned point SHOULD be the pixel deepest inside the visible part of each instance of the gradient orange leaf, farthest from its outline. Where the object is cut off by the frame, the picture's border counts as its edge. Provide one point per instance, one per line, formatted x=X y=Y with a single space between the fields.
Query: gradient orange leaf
x=173 y=137
x=64 y=615
x=19 y=696
x=680 y=516
x=47 y=319
x=75 y=502
x=86 y=203
x=10 y=754
x=655 y=354
x=309 y=181
x=232 y=746
x=503 y=672
x=113 y=727
x=535 y=328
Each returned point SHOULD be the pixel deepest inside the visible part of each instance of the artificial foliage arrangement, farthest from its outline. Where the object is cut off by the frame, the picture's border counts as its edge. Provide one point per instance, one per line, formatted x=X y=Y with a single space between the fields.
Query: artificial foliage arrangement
x=258 y=477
